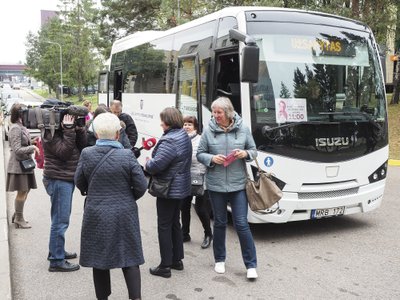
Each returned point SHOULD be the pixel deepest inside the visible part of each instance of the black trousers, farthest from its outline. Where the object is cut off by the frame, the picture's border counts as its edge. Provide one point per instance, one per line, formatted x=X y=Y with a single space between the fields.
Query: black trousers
x=169 y=231
x=203 y=209
x=102 y=282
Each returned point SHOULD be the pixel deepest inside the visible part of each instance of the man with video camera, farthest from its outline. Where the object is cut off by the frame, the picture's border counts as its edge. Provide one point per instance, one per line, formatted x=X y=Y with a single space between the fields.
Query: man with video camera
x=62 y=153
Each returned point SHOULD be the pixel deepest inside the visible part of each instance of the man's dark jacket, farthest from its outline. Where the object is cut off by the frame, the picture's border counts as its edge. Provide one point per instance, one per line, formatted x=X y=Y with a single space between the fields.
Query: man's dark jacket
x=130 y=129
x=61 y=153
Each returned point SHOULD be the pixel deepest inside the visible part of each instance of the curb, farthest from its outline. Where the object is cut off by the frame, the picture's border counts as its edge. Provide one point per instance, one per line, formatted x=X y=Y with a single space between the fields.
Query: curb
x=5 y=280
x=394 y=162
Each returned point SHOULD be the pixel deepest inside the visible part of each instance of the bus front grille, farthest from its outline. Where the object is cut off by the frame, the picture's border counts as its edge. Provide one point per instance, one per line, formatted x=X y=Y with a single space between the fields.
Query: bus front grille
x=328 y=194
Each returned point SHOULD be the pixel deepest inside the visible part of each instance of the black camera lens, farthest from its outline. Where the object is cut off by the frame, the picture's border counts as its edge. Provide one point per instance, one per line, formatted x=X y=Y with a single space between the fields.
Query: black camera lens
x=80 y=122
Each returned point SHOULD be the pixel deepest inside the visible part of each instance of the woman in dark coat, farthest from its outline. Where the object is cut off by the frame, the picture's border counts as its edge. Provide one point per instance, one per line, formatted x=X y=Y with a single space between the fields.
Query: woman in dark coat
x=171 y=161
x=110 y=229
x=18 y=180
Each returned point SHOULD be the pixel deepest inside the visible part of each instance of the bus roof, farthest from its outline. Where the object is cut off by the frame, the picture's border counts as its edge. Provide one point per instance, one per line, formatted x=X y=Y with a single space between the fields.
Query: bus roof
x=142 y=37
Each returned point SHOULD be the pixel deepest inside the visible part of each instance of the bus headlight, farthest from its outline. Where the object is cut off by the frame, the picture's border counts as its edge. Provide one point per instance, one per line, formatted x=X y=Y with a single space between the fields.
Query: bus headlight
x=379 y=174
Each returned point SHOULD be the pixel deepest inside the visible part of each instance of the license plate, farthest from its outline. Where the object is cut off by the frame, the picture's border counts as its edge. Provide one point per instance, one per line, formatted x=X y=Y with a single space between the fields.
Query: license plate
x=327 y=212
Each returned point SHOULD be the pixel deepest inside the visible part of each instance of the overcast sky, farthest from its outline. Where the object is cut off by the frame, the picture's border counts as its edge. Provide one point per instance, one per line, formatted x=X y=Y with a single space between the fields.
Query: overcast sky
x=17 y=18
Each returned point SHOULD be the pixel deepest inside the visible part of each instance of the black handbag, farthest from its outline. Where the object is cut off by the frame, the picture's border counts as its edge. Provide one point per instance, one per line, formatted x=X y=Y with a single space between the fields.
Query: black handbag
x=197 y=184
x=159 y=187
x=27 y=165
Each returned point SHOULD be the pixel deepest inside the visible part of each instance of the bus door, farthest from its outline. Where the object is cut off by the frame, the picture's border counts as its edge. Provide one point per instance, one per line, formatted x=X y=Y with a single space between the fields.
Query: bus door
x=118 y=85
x=188 y=86
x=228 y=78
x=102 y=88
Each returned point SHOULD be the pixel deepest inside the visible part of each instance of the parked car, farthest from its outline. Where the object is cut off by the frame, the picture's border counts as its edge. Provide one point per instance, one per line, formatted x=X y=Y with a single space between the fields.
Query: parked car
x=16 y=86
x=33 y=132
x=8 y=102
x=90 y=90
x=7 y=94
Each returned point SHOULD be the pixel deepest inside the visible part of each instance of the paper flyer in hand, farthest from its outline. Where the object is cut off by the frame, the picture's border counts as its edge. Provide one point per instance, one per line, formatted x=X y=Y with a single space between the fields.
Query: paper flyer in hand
x=229 y=159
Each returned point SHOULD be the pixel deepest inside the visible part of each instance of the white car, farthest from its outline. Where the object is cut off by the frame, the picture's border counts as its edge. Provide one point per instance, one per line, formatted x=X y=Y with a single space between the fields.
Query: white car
x=7 y=94
x=16 y=86
x=7 y=123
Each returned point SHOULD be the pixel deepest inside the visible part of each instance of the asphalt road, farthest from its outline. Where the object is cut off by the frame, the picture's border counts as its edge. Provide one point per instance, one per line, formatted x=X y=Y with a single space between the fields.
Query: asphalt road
x=344 y=257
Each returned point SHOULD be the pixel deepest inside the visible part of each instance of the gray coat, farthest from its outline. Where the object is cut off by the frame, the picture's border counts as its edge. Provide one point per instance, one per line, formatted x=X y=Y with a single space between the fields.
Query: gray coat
x=20 y=148
x=110 y=235
x=215 y=141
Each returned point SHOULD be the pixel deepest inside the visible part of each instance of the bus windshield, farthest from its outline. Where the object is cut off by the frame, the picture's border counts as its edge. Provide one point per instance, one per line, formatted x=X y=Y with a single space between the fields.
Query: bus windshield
x=314 y=73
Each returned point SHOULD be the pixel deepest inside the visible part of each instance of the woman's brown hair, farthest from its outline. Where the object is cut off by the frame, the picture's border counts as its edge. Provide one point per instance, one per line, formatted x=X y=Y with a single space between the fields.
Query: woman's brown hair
x=15 y=112
x=86 y=103
x=192 y=120
x=172 y=117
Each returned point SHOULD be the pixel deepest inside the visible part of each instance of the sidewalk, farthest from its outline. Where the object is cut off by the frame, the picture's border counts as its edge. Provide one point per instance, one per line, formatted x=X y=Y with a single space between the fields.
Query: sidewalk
x=5 y=282
x=5 y=279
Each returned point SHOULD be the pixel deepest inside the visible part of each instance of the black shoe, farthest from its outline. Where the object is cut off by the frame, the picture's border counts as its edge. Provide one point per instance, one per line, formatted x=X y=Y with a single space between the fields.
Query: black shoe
x=68 y=255
x=206 y=242
x=161 y=271
x=186 y=238
x=66 y=266
x=177 y=265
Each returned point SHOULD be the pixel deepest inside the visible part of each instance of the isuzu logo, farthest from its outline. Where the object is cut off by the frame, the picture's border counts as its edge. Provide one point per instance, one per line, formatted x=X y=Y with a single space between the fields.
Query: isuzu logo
x=333 y=141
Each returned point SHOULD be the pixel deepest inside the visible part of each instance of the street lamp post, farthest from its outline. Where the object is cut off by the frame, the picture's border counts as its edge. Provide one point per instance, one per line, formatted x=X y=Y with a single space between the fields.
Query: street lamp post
x=61 y=76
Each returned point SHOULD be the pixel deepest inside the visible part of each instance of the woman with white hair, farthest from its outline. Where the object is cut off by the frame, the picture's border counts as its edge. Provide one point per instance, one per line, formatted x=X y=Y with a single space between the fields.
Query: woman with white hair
x=113 y=180
x=223 y=147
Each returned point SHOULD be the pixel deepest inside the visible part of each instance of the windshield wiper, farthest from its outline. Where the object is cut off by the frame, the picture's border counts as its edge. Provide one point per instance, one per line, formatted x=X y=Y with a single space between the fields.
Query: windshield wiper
x=267 y=129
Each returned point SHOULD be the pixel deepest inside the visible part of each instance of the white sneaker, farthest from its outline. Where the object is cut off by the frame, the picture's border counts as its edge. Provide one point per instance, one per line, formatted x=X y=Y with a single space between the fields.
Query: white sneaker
x=252 y=273
x=220 y=267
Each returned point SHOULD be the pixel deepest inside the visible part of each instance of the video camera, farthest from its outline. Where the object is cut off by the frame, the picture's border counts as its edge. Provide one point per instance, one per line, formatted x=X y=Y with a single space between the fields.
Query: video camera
x=51 y=113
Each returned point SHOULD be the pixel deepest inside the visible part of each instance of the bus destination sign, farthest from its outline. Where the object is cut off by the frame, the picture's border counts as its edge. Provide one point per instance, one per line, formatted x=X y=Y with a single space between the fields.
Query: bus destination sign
x=323 y=47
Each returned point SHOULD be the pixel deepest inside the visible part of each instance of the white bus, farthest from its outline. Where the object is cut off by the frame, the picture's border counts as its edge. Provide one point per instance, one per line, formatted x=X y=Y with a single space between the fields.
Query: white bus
x=308 y=84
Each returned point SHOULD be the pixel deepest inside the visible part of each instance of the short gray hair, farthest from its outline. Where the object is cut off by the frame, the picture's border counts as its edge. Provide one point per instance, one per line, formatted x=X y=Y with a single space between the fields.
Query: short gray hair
x=225 y=104
x=106 y=125
x=116 y=102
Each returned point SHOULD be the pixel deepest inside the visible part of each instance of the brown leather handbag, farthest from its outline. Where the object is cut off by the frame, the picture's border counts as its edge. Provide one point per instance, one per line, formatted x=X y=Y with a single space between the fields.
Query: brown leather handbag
x=262 y=193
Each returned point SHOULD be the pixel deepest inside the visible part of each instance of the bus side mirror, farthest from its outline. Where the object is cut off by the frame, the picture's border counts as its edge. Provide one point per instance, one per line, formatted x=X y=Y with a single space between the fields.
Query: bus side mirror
x=250 y=61
x=250 y=56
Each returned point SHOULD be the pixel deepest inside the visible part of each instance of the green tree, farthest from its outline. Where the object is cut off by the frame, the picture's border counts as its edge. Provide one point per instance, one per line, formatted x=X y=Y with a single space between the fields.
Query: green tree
x=118 y=18
x=43 y=58
x=83 y=62
x=73 y=30
x=284 y=93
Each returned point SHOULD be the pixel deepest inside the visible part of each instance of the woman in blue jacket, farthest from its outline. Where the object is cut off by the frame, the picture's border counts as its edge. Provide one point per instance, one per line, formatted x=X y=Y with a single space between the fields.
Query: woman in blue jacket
x=171 y=161
x=227 y=137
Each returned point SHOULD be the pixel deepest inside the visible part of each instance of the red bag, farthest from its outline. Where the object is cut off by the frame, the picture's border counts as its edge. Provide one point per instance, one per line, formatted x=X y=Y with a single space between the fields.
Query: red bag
x=39 y=157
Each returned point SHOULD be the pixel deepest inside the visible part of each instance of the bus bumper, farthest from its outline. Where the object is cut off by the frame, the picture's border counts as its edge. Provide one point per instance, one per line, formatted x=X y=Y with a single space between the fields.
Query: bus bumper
x=291 y=208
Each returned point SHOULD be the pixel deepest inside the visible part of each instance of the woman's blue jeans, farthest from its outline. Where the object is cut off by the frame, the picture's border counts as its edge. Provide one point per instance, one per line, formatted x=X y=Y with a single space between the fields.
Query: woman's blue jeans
x=238 y=202
x=60 y=192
